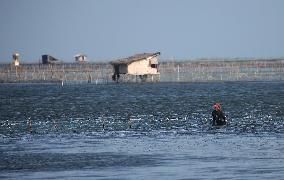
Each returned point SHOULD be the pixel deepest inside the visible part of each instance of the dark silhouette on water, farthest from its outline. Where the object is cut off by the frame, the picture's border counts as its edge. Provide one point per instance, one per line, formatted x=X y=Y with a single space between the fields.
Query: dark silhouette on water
x=219 y=119
x=129 y=121
x=30 y=130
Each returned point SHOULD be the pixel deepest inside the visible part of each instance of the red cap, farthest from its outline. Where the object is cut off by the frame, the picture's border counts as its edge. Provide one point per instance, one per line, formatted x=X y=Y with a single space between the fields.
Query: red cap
x=217 y=106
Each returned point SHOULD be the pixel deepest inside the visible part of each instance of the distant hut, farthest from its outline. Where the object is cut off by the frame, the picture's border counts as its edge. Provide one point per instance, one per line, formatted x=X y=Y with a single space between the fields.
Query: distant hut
x=16 y=59
x=81 y=58
x=141 y=65
x=47 y=59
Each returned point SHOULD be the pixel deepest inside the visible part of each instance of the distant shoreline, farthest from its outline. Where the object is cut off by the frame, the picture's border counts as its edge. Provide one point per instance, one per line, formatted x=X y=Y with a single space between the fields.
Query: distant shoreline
x=167 y=60
x=170 y=71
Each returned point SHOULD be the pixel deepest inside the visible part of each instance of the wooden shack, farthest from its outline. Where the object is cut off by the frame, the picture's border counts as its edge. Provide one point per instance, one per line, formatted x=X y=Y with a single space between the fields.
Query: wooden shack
x=47 y=59
x=141 y=65
x=81 y=58
x=16 y=59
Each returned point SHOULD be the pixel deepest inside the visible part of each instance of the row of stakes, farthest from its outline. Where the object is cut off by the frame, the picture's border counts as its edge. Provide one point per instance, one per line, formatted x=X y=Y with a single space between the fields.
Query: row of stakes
x=30 y=129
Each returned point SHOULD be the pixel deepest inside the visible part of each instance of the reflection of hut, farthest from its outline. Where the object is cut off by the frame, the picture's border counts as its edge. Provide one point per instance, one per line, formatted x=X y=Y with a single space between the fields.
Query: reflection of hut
x=80 y=58
x=47 y=59
x=140 y=65
x=16 y=59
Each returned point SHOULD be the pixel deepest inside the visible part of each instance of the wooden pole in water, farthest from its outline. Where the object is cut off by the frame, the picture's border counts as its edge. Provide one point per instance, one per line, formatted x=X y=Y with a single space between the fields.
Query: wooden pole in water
x=29 y=125
x=178 y=73
x=129 y=121
x=103 y=123
x=55 y=124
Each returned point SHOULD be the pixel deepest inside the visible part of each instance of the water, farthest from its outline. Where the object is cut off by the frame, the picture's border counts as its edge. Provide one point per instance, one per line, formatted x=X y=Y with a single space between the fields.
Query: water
x=141 y=131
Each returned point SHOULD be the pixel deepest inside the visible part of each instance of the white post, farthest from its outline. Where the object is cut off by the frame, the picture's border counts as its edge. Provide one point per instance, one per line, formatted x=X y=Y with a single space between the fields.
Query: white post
x=178 y=73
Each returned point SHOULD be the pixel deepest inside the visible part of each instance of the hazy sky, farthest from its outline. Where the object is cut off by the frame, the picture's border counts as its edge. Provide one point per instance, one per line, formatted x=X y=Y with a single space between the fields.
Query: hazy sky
x=111 y=29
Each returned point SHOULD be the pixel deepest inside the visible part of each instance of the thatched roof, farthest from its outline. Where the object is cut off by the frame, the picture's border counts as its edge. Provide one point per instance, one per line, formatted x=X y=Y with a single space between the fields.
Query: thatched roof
x=134 y=58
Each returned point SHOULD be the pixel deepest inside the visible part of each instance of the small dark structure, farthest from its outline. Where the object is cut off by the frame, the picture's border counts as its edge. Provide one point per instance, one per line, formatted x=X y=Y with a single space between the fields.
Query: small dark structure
x=141 y=65
x=47 y=59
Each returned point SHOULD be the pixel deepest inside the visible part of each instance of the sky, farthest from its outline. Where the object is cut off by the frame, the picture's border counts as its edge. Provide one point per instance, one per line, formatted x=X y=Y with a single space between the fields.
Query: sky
x=105 y=30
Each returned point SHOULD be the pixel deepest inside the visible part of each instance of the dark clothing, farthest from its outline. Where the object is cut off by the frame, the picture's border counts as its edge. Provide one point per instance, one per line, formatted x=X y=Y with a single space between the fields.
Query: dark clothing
x=219 y=118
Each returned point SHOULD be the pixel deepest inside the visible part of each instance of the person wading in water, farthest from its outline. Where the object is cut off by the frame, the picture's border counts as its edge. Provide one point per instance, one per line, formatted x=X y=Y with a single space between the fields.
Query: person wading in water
x=218 y=116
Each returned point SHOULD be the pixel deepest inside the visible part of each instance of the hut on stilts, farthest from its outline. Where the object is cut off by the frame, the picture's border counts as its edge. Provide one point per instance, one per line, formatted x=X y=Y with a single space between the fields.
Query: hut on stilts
x=138 y=67
x=16 y=59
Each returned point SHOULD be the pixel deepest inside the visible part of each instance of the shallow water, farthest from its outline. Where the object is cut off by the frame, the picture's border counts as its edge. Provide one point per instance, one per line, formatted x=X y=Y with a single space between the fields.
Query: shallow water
x=141 y=131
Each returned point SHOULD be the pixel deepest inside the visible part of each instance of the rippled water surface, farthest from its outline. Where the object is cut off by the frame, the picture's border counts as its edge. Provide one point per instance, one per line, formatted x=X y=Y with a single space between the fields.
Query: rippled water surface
x=141 y=131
